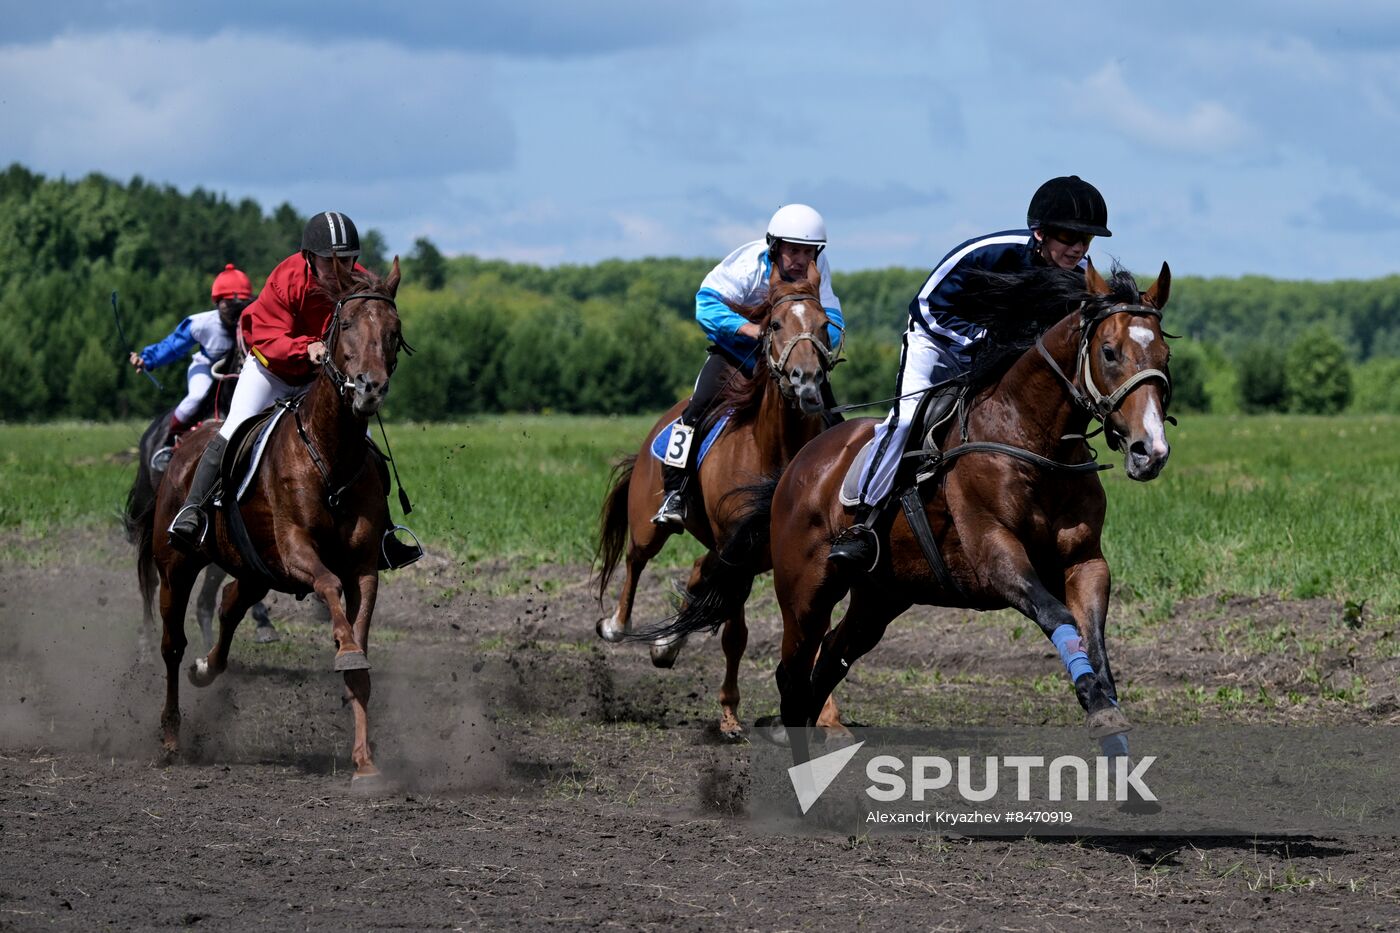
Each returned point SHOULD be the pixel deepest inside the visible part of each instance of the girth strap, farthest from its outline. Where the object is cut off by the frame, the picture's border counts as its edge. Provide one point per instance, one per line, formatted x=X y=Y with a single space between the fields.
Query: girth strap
x=913 y=505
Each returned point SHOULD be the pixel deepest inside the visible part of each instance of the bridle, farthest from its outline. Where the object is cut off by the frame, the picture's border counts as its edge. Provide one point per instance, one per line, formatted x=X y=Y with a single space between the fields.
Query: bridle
x=1092 y=400
x=776 y=366
x=334 y=326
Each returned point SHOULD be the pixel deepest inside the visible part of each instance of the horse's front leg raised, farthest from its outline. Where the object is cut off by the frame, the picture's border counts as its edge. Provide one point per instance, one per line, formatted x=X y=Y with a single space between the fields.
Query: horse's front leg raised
x=1086 y=594
x=304 y=564
x=1010 y=573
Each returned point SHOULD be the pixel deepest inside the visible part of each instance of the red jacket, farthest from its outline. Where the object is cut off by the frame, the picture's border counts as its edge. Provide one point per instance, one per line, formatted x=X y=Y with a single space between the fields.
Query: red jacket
x=290 y=313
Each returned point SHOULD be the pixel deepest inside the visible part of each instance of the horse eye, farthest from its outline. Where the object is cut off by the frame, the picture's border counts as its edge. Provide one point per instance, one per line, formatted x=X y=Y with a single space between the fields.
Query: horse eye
x=775 y=325
x=1108 y=355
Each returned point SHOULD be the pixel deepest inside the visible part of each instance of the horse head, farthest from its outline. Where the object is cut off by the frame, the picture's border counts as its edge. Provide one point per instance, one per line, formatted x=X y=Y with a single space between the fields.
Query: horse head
x=1123 y=361
x=795 y=339
x=364 y=338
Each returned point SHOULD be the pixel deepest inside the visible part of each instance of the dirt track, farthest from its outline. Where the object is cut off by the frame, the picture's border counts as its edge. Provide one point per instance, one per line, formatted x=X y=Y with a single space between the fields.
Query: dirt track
x=543 y=777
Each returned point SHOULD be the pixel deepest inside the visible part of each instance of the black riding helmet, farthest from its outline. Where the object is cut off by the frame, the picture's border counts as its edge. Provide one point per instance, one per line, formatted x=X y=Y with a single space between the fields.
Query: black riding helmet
x=1071 y=203
x=331 y=234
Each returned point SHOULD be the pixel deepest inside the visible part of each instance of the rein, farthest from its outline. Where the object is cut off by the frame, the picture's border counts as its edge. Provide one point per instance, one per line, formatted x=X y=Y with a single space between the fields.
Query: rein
x=829 y=358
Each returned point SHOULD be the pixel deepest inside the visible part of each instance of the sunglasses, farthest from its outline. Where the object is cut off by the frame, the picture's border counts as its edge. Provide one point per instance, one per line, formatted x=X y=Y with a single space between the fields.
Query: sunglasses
x=1068 y=237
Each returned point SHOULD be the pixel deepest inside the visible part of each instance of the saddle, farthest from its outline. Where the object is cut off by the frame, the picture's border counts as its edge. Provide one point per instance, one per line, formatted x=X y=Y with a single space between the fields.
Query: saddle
x=932 y=419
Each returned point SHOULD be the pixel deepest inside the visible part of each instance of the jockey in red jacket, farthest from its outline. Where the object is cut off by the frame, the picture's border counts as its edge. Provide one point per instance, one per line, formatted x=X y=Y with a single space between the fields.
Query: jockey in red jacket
x=282 y=330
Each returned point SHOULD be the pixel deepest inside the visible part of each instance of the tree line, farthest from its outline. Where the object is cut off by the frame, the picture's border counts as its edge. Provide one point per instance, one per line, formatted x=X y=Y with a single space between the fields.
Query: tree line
x=612 y=337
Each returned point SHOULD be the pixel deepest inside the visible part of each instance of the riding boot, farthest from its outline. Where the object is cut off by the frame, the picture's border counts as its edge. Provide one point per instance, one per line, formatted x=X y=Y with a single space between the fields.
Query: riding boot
x=857 y=545
x=672 y=510
x=187 y=530
x=395 y=554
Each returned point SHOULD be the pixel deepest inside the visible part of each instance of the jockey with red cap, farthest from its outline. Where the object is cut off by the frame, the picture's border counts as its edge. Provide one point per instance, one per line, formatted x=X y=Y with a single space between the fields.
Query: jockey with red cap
x=283 y=331
x=210 y=334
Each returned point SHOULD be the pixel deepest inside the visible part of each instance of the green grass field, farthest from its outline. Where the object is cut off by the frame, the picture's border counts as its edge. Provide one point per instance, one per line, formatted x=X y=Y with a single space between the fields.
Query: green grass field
x=1296 y=506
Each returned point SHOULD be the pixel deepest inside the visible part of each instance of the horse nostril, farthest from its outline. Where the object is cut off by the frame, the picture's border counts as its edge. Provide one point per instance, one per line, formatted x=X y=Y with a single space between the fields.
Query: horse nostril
x=1138 y=449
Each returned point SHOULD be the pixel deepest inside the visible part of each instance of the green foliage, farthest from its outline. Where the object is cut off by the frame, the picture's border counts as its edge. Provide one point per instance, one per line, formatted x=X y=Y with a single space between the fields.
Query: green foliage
x=1262 y=384
x=1189 y=367
x=1377 y=386
x=427 y=265
x=1318 y=377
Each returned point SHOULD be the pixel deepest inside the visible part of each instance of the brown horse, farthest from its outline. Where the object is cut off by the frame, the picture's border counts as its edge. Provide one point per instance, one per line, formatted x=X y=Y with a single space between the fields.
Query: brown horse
x=316 y=515
x=1013 y=526
x=773 y=414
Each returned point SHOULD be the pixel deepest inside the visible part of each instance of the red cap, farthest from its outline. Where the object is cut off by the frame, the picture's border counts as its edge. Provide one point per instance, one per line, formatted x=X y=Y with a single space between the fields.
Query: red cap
x=231 y=284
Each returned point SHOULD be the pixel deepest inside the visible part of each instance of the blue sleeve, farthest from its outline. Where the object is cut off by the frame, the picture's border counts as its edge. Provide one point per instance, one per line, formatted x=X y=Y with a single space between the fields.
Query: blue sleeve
x=720 y=322
x=172 y=348
x=834 y=334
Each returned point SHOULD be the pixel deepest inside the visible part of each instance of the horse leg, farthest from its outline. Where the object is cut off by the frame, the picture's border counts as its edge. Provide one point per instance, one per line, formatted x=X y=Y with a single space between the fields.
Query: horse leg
x=807 y=597
x=304 y=564
x=1086 y=594
x=205 y=601
x=1011 y=574
x=176 y=582
x=734 y=640
x=645 y=543
x=859 y=630
x=360 y=604
x=667 y=648
x=239 y=596
x=265 y=631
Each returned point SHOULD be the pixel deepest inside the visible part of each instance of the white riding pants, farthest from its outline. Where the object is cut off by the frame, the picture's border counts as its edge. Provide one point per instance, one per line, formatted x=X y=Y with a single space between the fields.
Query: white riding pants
x=925 y=361
x=199 y=378
x=257 y=388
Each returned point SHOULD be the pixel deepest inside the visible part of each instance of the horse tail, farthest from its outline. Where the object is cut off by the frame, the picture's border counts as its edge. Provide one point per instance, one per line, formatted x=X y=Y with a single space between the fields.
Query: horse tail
x=722 y=591
x=613 y=524
x=139 y=518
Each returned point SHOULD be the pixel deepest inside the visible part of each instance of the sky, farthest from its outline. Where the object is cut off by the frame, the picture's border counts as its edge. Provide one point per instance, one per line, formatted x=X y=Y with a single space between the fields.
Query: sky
x=1229 y=138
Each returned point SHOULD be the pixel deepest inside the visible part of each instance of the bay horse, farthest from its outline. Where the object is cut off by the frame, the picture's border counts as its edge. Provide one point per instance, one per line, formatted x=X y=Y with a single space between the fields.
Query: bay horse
x=139 y=517
x=315 y=515
x=772 y=414
x=1014 y=525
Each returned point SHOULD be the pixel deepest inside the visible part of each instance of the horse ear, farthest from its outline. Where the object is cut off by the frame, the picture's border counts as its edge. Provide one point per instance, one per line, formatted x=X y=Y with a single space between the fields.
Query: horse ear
x=1093 y=281
x=1156 y=296
x=775 y=277
x=814 y=275
x=391 y=284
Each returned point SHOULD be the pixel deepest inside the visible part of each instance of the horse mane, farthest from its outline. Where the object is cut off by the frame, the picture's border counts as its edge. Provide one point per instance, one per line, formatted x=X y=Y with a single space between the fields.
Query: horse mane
x=356 y=281
x=1017 y=307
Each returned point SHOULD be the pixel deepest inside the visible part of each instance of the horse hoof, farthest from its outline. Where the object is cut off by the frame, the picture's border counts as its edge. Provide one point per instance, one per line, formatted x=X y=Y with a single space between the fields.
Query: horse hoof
x=609 y=630
x=837 y=737
x=200 y=674
x=772 y=731
x=351 y=659
x=1106 y=722
x=370 y=784
x=732 y=734
x=265 y=634
x=664 y=653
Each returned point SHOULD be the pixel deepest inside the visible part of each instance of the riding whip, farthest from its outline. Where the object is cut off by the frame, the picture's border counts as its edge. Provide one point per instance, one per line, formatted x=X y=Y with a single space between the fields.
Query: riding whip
x=121 y=332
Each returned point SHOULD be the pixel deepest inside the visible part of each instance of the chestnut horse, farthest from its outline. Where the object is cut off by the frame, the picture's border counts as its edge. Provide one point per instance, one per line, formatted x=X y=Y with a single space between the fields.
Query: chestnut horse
x=1015 y=525
x=316 y=514
x=772 y=414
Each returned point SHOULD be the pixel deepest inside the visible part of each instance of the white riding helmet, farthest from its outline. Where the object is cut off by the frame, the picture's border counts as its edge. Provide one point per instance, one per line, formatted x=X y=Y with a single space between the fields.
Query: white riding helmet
x=797 y=223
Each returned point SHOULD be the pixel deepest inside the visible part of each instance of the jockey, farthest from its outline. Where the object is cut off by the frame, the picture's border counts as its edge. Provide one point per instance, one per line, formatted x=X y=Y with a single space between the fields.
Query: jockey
x=282 y=330
x=212 y=333
x=1065 y=215
x=796 y=237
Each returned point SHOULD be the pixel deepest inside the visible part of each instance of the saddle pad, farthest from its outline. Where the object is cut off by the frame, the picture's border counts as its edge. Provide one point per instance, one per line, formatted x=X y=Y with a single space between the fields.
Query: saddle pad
x=658 y=446
x=249 y=450
x=850 y=486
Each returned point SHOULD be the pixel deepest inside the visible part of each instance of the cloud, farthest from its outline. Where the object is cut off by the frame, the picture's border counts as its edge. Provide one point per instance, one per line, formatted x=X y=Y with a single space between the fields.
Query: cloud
x=1204 y=127
x=507 y=27
x=852 y=199
x=249 y=110
x=1342 y=213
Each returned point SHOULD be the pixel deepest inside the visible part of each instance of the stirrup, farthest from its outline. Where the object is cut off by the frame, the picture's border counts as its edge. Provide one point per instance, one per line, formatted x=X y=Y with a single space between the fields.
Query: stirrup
x=850 y=536
x=415 y=549
x=161 y=458
x=186 y=539
x=672 y=510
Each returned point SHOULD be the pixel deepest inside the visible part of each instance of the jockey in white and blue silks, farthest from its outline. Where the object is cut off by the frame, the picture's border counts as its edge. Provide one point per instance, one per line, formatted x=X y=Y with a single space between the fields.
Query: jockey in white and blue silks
x=1065 y=215
x=210 y=334
x=796 y=236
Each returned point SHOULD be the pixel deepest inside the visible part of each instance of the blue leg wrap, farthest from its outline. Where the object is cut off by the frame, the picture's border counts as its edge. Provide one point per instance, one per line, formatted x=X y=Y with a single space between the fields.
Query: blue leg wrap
x=1066 y=638
x=1114 y=746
